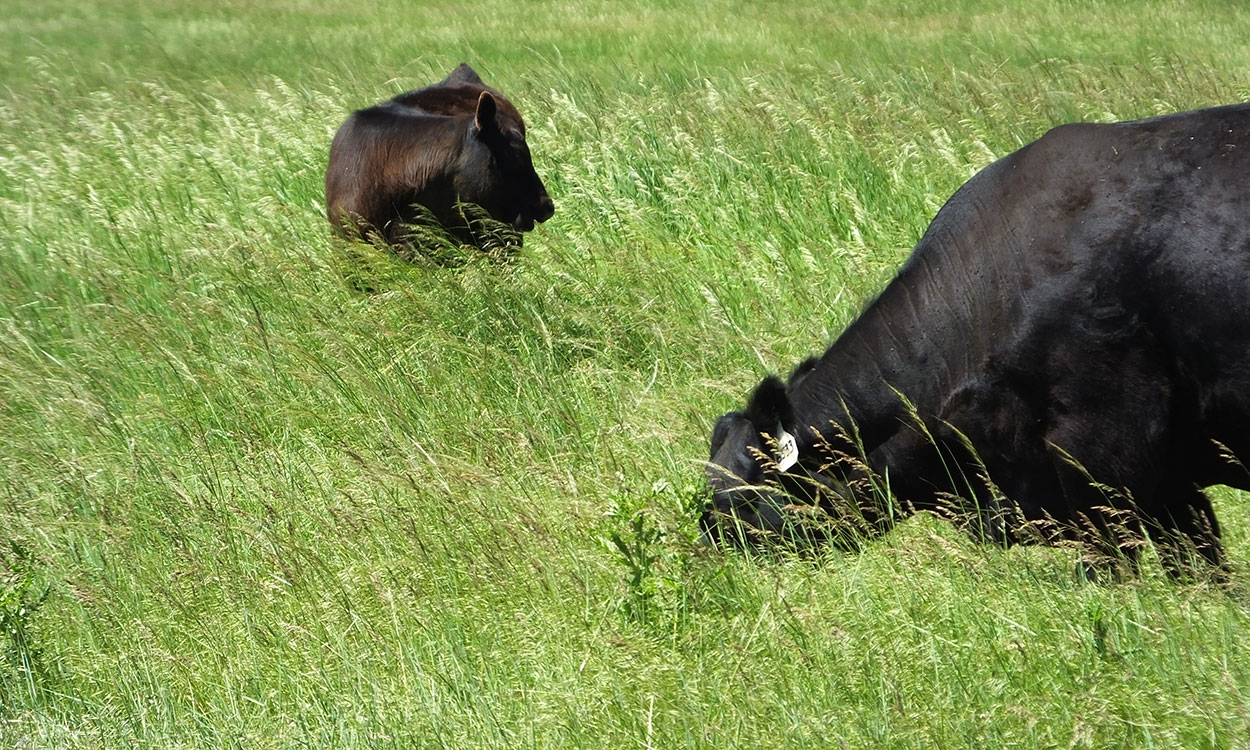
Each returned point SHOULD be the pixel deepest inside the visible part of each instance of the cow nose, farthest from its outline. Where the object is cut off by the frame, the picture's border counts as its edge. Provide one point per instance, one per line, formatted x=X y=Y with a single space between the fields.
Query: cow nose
x=545 y=208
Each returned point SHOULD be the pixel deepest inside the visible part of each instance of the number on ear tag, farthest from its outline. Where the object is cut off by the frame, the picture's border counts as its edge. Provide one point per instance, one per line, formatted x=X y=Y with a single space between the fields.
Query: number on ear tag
x=787 y=450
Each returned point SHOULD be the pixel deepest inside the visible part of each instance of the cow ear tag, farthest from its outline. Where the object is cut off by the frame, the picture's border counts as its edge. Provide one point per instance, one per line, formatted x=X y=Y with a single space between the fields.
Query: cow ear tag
x=787 y=450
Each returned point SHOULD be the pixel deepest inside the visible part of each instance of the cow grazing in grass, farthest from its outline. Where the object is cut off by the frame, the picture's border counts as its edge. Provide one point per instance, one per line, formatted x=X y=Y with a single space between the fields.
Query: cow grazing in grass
x=435 y=153
x=1064 y=356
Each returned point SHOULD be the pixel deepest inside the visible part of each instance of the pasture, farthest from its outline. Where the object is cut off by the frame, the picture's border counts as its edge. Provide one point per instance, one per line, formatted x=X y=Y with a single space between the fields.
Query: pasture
x=261 y=488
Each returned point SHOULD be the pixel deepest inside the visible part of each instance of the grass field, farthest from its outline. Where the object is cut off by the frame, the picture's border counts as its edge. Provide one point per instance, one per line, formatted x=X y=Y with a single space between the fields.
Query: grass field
x=260 y=488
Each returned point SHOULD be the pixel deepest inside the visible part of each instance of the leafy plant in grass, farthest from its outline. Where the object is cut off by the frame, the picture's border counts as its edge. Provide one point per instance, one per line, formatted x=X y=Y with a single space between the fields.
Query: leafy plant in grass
x=669 y=575
x=649 y=550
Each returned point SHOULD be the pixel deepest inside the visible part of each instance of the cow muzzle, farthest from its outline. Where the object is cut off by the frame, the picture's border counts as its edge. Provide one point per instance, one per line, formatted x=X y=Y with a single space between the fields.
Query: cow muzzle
x=546 y=209
x=540 y=211
x=743 y=515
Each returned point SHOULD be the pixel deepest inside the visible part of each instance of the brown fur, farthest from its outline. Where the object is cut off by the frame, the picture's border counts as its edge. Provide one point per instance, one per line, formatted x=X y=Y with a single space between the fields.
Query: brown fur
x=429 y=150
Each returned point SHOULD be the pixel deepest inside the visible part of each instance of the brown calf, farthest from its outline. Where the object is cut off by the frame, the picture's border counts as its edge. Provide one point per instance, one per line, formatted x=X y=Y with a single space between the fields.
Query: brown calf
x=427 y=152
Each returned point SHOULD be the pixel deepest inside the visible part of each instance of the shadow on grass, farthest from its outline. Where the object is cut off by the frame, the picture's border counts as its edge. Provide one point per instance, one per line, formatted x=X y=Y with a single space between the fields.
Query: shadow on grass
x=373 y=261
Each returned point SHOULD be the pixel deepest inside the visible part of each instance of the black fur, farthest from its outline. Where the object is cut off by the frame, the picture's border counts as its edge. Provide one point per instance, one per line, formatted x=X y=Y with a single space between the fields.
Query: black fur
x=1065 y=355
x=768 y=407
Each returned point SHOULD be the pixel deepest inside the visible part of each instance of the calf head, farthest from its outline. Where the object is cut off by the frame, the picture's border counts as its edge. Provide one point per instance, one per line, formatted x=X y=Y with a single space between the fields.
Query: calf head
x=495 y=170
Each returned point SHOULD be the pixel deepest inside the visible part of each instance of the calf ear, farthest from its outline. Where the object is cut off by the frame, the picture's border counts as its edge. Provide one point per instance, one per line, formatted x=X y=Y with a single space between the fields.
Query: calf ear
x=486 y=108
x=462 y=74
x=769 y=406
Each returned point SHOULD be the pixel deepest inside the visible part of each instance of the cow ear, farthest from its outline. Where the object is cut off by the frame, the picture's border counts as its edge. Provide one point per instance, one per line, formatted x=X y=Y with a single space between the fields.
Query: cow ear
x=720 y=431
x=463 y=74
x=802 y=370
x=769 y=406
x=486 y=108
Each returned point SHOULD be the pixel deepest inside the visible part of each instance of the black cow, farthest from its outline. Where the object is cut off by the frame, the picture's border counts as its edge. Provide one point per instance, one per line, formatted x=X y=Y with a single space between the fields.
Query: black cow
x=1064 y=356
x=432 y=150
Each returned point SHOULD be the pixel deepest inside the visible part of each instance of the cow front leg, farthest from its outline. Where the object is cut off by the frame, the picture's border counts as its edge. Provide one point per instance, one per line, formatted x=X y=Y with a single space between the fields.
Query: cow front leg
x=1187 y=535
x=1102 y=516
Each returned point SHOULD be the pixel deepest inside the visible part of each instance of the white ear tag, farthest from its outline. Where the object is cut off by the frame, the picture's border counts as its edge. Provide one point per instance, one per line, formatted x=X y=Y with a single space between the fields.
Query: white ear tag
x=787 y=450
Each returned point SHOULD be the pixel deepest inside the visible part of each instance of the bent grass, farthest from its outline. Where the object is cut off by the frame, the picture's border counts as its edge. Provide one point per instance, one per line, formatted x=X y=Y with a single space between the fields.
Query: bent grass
x=286 y=491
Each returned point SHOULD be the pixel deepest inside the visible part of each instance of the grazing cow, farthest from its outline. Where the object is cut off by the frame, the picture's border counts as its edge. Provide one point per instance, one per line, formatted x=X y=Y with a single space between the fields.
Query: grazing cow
x=1064 y=356
x=427 y=152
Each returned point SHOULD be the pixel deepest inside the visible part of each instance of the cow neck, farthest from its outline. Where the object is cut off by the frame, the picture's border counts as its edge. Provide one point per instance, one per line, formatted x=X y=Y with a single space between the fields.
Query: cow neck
x=900 y=344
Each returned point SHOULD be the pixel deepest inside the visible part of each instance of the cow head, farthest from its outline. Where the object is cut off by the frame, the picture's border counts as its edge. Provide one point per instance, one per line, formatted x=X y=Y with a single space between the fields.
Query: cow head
x=753 y=454
x=765 y=486
x=496 y=172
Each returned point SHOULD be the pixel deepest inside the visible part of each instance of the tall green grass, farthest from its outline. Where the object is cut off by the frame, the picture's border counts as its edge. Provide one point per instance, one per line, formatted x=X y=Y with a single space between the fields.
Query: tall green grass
x=261 y=488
